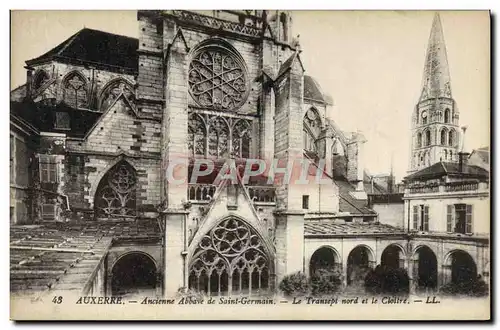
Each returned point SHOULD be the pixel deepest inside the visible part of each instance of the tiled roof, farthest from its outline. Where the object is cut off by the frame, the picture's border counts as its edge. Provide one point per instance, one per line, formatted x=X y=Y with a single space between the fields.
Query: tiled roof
x=94 y=46
x=332 y=228
x=43 y=259
x=46 y=257
x=446 y=168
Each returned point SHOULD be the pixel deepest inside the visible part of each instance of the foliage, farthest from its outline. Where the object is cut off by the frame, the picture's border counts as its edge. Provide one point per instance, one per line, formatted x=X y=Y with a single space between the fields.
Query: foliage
x=323 y=283
x=385 y=279
x=326 y=283
x=184 y=292
x=476 y=287
x=295 y=284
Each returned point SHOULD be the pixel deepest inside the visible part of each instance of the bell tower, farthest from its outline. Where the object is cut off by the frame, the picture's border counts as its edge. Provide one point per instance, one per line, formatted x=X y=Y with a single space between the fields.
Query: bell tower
x=435 y=121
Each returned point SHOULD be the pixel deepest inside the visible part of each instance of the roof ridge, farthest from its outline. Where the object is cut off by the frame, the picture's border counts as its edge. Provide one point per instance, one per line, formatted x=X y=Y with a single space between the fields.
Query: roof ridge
x=68 y=42
x=110 y=33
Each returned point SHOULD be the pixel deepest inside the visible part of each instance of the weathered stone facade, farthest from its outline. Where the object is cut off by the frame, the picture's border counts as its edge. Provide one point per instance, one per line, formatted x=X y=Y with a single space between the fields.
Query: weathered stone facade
x=111 y=128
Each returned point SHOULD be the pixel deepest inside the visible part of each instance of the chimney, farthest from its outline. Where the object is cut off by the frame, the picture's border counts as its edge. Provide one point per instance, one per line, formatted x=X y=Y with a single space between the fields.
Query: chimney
x=463 y=156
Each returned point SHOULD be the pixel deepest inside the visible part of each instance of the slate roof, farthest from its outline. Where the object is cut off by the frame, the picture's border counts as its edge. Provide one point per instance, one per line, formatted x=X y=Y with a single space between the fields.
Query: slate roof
x=441 y=169
x=94 y=46
x=333 y=228
x=347 y=203
x=312 y=91
x=45 y=258
x=483 y=153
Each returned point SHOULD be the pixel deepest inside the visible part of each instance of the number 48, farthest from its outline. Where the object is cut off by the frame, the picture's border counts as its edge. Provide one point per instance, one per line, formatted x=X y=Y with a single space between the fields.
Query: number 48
x=57 y=299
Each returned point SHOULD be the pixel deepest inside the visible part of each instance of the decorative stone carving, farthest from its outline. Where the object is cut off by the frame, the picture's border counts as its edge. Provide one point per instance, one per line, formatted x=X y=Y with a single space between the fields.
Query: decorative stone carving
x=217 y=79
x=229 y=258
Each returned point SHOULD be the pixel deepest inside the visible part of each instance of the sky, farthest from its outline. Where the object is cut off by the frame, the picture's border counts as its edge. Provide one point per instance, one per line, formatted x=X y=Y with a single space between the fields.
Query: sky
x=371 y=63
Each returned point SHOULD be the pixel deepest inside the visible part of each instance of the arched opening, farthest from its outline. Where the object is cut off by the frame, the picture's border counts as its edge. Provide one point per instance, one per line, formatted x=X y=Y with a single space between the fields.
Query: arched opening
x=451 y=138
x=359 y=263
x=134 y=274
x=324 y=262
x=463 y=268
x=218 y=138
x=393 y=257
x=196 y=135
x=419 y=140
x=75 y=90
x=311 y=130
x=40 y=78
x=113 y=90
x=230 y=259
x=242 y=135
x=284 y=27
x=443 y=137
x=116 y=194
x=427 y=137
x=427 y=273
x=447 y=118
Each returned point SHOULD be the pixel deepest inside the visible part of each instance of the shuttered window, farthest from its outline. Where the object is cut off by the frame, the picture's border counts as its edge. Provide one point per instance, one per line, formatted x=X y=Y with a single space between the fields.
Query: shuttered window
x=449 y=219
x=48 y=169
x=415 y=217
x=468 y=219
x=425 y=220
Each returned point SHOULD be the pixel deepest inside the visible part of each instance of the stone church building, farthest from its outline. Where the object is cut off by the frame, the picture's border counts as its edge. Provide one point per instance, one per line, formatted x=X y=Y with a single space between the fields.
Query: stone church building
x=102 y=117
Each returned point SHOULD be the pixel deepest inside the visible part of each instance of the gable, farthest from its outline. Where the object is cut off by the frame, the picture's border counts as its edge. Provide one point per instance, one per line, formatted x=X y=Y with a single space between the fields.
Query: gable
x=230 y=200
x=119 y=130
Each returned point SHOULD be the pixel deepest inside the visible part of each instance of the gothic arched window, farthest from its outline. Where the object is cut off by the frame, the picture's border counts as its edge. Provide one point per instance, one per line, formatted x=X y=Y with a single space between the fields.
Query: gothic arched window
x=116 y=193
x=75 y=90
x=447 y=114
x=443 y=137
x=40 y=78
x=196 y=136
x=241 y=139
x=230 y=259
x=113 y=90
x=217 y=79
x=311 y=129
x=419 y=140
x=218 y=138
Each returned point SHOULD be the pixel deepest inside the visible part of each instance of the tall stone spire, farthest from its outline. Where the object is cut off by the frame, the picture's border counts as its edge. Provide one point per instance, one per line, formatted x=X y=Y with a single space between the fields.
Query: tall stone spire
x=435 y=132
x=436 y=79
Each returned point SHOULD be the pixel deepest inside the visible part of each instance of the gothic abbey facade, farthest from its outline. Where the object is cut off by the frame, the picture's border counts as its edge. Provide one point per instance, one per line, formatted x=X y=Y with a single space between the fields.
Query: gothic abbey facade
x=102 y=116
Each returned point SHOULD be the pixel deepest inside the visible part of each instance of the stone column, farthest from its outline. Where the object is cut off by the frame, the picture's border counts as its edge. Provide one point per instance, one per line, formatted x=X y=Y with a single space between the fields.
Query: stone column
x=289 y=243
x=175 y=275
x=445 y=276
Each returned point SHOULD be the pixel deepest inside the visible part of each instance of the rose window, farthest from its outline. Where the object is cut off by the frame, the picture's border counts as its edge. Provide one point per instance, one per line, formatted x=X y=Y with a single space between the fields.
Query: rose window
x=217 y=79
